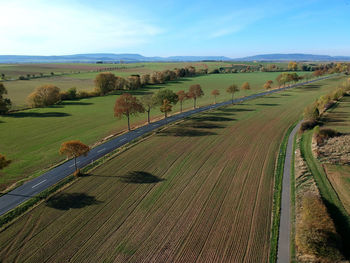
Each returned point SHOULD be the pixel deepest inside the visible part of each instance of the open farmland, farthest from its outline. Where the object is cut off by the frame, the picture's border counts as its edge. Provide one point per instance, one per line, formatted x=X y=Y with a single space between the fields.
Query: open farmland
x=18 y=90
x=76 y=75
x=204 y=192
x=339 y=175
x=34 y=136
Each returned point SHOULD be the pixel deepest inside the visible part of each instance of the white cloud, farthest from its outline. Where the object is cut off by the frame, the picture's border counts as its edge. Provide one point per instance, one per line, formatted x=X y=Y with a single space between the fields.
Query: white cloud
x=40 y=27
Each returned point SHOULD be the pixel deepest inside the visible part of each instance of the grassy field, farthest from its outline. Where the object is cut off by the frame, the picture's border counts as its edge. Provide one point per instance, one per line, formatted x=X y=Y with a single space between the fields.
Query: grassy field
x=330 y=197
x=68 y=75
x=18 y=90
x=339 y=175
x=202 y=193
x=33 y=136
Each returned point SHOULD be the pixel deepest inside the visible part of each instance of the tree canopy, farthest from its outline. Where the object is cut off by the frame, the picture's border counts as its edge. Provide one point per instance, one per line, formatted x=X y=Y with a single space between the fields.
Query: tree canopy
x=167 y=94
x=5 y=104
x=105 y=82
x=44 y=96
x=245 y=86
x=74 y=149
x=215 y=93
x=232 y=89
x=148 y=102
x=3 y=161
x=195 y=91
x=181 y=95
x=166 y=107
x=127 y=105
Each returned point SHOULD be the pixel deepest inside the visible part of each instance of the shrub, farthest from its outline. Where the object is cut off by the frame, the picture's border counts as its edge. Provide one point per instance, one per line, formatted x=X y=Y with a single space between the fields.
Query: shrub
x=337 y=94
x=70 y=94
x=315 y=232
x=324 y=134
x=44 y=96
x=308 y=125
x=105 y=82
x=311 y=112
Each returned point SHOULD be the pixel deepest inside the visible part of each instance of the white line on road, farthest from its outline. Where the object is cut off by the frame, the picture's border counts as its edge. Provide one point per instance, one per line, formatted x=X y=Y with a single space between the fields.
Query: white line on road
x=101 y=150
x=73 y=164
x=123 y=139
x=38 y=183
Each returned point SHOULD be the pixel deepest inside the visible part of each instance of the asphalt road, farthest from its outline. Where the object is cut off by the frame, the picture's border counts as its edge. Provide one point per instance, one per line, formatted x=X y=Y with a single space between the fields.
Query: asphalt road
x=33 y=187
x=283 y=252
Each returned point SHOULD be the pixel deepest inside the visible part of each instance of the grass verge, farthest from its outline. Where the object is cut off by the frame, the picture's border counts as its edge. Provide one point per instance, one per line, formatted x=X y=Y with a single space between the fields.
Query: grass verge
x=328 y=194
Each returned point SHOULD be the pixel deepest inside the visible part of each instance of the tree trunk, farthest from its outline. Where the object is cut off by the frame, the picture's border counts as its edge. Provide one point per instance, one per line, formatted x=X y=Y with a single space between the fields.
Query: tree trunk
x=180 y=106
x=214 y=99
x=194 y=103
x=128 y=122
x=232 y=98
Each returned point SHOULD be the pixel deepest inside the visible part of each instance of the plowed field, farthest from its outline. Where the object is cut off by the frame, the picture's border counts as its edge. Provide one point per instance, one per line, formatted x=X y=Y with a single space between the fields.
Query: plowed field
x=199 y=191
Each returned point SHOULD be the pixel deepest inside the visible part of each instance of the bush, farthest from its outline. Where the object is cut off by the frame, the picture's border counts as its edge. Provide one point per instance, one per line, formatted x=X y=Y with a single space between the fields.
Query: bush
x=70 y=94
x=44 y=96
x=315 y=232
x=324 y=134
x=337 y=94
x=311 y=112
x=308 y=125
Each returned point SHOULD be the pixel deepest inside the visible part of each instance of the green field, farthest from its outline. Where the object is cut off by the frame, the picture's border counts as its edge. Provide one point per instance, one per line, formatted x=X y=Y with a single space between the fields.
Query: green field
x=33 y=136
x=329 y=195
x=18 y=90
x=338 y=118
x=204 y=192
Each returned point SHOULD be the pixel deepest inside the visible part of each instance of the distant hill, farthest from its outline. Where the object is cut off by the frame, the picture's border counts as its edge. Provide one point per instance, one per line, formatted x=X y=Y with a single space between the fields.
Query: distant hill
x=294 y=57
x=103 y=57
x=130 y=58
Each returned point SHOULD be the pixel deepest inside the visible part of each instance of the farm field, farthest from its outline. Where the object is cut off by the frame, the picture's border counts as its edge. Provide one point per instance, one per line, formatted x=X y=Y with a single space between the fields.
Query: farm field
x=339 y=175
x=33 y=136
x=18 y=90
x=81 y=76
x=203 y=193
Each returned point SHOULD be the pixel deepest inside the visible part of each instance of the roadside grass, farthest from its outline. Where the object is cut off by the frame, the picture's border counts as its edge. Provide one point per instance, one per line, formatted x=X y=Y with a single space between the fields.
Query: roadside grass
x=33 y=136
x=329 y=195
x=214 y=200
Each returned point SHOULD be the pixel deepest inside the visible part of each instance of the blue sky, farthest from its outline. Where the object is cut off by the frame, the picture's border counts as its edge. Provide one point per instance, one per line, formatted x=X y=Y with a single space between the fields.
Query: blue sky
x=167 y=28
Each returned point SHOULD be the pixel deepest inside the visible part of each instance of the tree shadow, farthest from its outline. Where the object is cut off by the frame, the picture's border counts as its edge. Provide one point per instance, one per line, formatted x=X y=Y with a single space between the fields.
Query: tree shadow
x=267 y=104
x=309 y=87
x=342 y=225
x=72 y=102
x=212 y=117
x=231 y=110
x=201 y=125
x=66 y=201
x=38 y=114
x=140 y=177
x=185 y=132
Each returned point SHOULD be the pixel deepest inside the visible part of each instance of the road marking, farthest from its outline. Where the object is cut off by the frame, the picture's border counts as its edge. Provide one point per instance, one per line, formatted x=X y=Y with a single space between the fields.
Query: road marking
x=38 y=183
x=123 y=139
x=73 y=164
x=101 y=150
